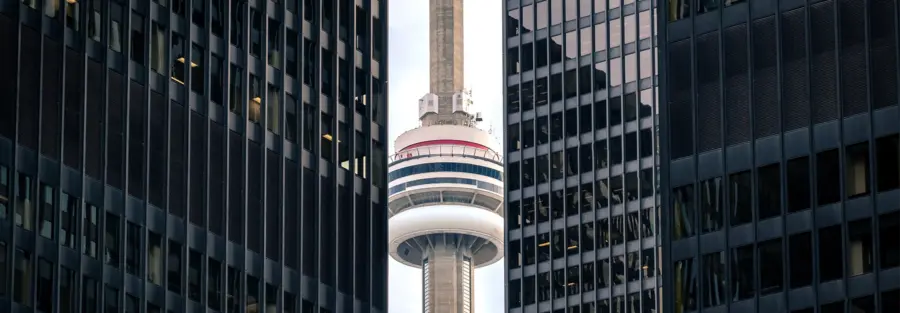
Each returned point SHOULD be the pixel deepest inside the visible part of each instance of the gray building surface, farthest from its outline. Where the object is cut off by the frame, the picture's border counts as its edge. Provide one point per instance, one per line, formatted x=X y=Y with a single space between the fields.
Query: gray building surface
x=580 y=150
x=780 y=169
x=193 y=156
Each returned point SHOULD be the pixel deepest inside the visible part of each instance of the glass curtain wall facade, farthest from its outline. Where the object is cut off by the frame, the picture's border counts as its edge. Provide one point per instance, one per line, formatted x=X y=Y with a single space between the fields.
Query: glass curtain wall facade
x=580 y=142
x=176 y=156
x=780 y=153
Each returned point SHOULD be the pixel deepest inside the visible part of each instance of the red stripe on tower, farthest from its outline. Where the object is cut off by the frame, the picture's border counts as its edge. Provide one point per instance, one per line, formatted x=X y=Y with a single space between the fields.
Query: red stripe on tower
x=445 y=142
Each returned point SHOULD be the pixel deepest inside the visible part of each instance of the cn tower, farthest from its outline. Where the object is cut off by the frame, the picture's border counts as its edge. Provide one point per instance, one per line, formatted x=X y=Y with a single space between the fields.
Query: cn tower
x=446 y=179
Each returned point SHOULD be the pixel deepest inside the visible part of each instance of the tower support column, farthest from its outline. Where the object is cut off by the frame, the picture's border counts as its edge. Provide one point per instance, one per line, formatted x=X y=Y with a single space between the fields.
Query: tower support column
x=448 y=279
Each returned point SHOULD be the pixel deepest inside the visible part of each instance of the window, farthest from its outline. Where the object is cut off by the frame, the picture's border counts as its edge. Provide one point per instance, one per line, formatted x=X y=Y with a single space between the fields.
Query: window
x=233 y=304
x=137 y=38
x=196 y=64
x=218 y=17
x=857 y=170
x=235 y=87
x=89 y=295
x=73 y=17
x=111 y=240
x=768 y=189
x=801 y=264
x=889 y=239
x=214 y=283
x=714 y=279
x=174 y=267
x=685 y=286
x=133 y=249
x=798 y=190
x=290 y=118
x=197 y=16
x=67 y=298
x=743 y=285
x=91 y=232
x=45 y=286
x=216 y=79
x=255 y=108
x=887 y=159
x=289 y=303
x=131 y=304
x=68 y=228
x=48 y=210
x=711 y=203
x=22 y=281
x=274 y=43
x=237 y=26
x=273 y=110
x=683 y=210
x=741 y=198
x=253 y=297
x=112 y=300
x=179 y=58
x=830 y=255
x=327 y=137
x=154 y=259
x=828 y=187
x=158 y=49
x=4 y=192
x=256 y=24
x=679 y=9
x=4 y=264
x=115 y=28
x=771 y=267
x=25 y=202
x=271 y=297
x=94 y=20
x=860 y=255
x=195 y=271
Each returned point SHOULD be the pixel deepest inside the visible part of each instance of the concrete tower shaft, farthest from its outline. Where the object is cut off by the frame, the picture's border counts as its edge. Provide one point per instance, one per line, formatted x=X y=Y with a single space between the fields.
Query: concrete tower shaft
x=446 y=60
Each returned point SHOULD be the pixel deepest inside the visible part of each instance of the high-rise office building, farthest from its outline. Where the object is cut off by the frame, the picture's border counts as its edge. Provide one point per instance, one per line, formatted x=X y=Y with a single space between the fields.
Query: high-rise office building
x=193 y=156
x=446 y=179
x=580 y=152
x=780 y=170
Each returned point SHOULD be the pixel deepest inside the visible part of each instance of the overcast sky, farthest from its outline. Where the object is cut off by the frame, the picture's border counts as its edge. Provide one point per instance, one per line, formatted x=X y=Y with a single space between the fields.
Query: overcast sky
x=408 y=81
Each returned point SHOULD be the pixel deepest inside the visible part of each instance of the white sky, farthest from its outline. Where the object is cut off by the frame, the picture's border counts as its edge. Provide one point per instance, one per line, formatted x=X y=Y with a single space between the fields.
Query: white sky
x=408 y=81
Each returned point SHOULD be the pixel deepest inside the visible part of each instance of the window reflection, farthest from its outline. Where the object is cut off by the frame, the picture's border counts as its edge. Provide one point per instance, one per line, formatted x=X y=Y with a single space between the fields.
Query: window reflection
x=528 y=18
x=541 y=15
x=743 y=285
x=714 y=279
x=645 y=27
x=556 y=12
x=685 y=286
x=771 y=276
x=679 y=9
x=683 y=209
x=860 y=255
x=25 y=202
x=740 y=190
x=600 y=37
x=586 y=46
x=711 y=203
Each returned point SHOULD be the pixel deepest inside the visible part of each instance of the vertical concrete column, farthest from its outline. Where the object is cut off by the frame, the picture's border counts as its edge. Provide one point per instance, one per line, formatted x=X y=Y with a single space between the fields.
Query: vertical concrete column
x=450 y=282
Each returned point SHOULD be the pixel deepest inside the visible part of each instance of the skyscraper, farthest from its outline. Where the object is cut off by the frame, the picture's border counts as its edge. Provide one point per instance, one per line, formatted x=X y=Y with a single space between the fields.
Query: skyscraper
x=580 y=152
x=193 y=156
x=780 y=168
x=446 y=179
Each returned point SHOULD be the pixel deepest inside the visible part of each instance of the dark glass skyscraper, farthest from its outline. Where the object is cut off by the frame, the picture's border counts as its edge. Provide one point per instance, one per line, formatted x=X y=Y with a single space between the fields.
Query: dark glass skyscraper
x=580 y=168
x=780 y=168
x=193 y=156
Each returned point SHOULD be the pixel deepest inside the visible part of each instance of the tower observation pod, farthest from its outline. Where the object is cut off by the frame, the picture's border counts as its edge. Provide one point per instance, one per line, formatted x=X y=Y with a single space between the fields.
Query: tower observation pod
x=445 y=179
x=446 y=207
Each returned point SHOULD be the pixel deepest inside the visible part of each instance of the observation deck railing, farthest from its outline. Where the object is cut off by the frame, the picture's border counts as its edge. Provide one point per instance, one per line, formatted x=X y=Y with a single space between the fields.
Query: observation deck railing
x=445 y=150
